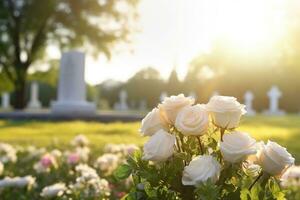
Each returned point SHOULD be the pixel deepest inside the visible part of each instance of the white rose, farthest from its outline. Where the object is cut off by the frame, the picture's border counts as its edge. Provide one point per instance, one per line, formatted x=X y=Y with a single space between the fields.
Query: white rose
x=152 y=123
x=192 y=120
x=54 y=190
x=159 y=147
x=201 y=169
x=172 y=105
x=225 y=111
x=236 y=146
x=274 y=159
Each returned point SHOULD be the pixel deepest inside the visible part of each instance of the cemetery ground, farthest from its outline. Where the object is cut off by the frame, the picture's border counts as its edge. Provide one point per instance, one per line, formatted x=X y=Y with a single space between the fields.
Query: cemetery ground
x=283 y=129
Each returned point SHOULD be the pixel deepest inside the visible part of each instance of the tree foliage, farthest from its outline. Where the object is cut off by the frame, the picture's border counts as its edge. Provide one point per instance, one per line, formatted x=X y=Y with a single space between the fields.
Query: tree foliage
x=28 y=26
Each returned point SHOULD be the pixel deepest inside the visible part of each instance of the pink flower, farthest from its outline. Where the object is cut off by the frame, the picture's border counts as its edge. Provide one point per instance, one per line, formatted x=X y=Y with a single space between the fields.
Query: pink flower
x=73 y=158
x=47 y=161
x=120 y=194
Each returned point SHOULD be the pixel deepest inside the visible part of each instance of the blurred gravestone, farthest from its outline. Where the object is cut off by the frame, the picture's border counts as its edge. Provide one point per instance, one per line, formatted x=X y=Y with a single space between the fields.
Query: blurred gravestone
x=143 y=105
x=274 y=94
x=163 y=95
x=71 y=88
x=193 y=95
x=5 y=100
x=34 y=102
x=248 y=102
x=122 y=104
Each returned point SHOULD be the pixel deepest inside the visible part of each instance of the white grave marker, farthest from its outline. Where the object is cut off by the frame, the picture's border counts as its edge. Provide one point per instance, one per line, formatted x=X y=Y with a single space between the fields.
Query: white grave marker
x=34 y=102
x=71 y=88
x=5 y=100
x=248 y=102
x=274 y=94
x=163 y=95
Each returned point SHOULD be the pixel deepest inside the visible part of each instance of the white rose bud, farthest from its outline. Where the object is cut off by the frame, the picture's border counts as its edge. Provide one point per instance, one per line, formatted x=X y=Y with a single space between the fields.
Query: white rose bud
x=236 y=146
x=274 y=159
x=201 y=169
x=159 y=147
x=172 y=105
x=192 y=120
x=152 y=123
x=225 y=111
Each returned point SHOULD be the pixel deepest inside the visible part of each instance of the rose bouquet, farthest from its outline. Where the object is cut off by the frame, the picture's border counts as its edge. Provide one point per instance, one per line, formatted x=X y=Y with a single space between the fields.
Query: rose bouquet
x=195 y=152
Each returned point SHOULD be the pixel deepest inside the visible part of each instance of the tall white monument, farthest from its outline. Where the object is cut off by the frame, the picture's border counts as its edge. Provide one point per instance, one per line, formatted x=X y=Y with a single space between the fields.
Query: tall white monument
x=274 y=94
x=71 y=98
x=34 y=102
x=248 y=97
x=5 y=100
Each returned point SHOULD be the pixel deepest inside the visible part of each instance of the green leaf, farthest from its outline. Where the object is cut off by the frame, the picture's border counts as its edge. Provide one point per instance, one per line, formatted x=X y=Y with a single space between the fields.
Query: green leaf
x=123 y=172
x=150 y=191
x=207 y=191
x=244 y=194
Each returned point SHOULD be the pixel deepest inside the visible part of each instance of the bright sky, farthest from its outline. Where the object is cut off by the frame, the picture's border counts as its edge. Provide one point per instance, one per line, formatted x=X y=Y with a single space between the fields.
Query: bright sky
x=173 y=32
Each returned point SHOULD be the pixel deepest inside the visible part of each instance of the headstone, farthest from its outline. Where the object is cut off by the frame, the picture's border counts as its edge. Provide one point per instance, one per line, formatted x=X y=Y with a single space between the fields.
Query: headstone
x=143 y=105
x=193 y=95
x=163 y=95
x=72 y=88
x=34 y=102
x=5 y=100
x=274 y=94
x=248 y=97
x=123 y=100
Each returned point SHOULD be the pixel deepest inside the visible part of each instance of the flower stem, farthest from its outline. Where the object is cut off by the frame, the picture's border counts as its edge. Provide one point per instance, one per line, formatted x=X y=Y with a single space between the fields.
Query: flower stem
x=222 y=131
x=200 y=145
x=257 y=178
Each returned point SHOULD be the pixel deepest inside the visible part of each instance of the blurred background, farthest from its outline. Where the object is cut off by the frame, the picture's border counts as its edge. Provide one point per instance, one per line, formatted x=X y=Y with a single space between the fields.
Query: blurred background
x=150 y=47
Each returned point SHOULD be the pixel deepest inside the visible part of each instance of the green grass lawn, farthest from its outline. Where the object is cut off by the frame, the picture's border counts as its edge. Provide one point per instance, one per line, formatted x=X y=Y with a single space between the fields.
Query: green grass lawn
x=284 y=130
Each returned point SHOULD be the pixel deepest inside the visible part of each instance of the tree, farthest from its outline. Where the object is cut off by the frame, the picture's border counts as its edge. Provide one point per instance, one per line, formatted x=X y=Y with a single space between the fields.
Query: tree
x=147 y=85
x=28 y=26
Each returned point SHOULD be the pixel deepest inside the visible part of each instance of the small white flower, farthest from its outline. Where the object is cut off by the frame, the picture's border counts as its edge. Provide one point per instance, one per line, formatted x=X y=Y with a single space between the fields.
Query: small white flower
x=80 y=140
x=55 y=190
x=107 y=162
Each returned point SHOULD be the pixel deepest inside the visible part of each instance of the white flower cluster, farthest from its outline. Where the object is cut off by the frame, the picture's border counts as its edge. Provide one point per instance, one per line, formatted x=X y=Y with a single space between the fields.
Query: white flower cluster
x=90 y=183
x=18 y=182
x=7 y=153
x=192 y=120
x=54 y=190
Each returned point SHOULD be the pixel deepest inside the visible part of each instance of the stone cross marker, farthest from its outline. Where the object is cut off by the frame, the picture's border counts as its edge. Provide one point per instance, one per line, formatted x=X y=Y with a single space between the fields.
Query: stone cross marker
x=248 y=102
x=5 y=100
x=71 y=88
x=34 y=102
x=274 y=94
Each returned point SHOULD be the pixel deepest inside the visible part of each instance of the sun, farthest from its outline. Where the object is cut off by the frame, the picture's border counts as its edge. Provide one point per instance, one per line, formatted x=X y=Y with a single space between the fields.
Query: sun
x=248 y=24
